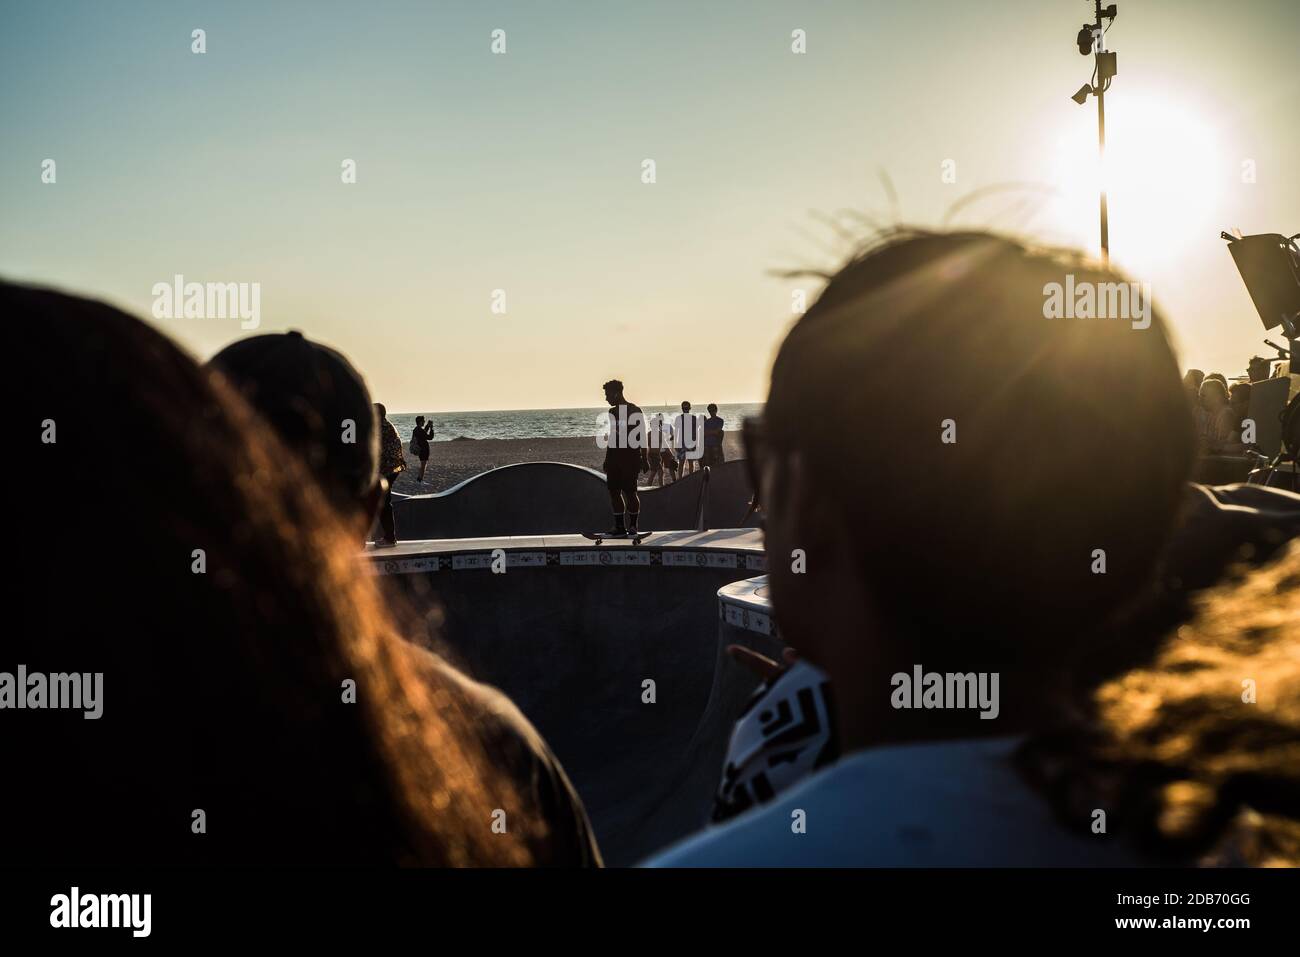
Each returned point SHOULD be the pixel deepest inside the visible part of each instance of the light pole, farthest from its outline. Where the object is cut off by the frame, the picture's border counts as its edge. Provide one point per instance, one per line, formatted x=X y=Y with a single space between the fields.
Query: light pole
x=1092 y=40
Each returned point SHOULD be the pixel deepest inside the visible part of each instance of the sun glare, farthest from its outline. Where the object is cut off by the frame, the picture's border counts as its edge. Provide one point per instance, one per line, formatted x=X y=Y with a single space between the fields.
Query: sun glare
x=1163 y=174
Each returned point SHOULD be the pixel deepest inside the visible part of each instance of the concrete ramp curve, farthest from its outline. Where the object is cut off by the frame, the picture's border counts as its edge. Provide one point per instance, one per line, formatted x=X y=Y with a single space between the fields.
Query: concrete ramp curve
x=616 y=655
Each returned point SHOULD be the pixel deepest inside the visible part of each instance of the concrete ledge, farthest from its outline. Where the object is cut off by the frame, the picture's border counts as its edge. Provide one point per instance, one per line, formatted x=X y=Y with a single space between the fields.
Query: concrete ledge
x=531 y=498
x=723 y=548
x=544 y=498
x=745 y=605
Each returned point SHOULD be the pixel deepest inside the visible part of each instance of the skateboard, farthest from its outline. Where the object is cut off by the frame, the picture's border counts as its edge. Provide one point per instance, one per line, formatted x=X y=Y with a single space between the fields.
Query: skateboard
x=635 y=537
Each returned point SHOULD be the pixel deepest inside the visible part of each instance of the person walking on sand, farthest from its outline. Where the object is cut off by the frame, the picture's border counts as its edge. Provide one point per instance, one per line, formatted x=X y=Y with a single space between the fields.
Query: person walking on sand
x=667 y=458
x=421 y=436
x=662 y=463
x=686 y=439
x=625 y=459
x=713 y=435
x=391 y=462
x=654 y=441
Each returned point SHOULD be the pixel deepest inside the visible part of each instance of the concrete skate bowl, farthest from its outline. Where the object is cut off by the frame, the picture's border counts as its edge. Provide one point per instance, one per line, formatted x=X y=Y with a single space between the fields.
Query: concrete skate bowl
x=572 y=638
x=551 y=498
x=726 y=500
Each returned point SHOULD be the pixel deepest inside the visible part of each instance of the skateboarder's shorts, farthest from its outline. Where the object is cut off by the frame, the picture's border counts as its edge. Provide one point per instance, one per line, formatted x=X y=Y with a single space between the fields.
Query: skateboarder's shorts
x=621 y=472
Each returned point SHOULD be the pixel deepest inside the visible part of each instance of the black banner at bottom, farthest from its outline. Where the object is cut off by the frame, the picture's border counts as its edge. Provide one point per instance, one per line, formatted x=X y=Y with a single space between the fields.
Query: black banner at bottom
x=95 y=907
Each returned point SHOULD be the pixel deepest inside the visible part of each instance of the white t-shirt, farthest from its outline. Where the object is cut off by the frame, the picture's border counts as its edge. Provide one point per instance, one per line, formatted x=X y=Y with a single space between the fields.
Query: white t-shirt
x=664 y=439
x=946 y=804
x=686 y=431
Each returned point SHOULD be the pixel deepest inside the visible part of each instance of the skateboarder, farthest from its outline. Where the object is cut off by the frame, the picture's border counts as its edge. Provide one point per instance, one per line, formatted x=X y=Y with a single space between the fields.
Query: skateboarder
x=625 y=458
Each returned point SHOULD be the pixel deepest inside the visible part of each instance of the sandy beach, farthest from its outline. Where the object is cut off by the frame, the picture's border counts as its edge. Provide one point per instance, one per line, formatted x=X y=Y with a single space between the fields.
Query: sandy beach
x=455 y=461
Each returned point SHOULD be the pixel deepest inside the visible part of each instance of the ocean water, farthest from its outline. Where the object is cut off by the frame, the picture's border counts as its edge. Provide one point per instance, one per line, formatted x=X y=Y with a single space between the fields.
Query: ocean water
x=544 y=423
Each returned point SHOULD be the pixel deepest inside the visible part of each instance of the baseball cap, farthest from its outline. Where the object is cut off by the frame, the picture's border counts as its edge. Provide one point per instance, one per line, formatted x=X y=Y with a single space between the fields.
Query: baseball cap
x=307 y=392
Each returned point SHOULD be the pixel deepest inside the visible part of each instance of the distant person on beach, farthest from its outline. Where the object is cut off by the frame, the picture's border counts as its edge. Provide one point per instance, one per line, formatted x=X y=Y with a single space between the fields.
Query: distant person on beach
x=902 y=525
x=686 y=437
x=391 y=463
x=258 y=705
x=319 y=406
x=669 y=463
x=667 y=460
x=657 y=436
x=667 y=457
x=625 y=458
x=713 y=435
x=421 y=436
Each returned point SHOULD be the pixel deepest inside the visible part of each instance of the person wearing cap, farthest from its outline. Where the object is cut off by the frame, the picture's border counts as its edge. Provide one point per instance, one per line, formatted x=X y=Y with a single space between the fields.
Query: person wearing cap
x=319 y=406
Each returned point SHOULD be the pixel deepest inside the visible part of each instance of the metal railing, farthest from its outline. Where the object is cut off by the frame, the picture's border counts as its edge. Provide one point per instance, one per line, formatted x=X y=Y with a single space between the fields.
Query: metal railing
x=701 y=509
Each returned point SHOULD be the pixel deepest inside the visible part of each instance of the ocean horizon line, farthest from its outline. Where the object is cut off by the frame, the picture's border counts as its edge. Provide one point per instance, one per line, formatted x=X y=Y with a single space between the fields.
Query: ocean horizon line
x=695 y=407
x=578 y=422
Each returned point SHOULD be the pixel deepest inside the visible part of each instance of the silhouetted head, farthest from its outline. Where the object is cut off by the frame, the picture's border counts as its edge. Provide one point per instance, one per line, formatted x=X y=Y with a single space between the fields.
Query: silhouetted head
x=252 y=673
x=381 y=411
x=1239 y=397
x=1257 y=369
x=1214 y=394
x=940 y=498
x=1218 y=377
x=319 y=406
x=712 y=408
x=1193 y=379
x=686 y=406
x=613 y=391
x=419 y=420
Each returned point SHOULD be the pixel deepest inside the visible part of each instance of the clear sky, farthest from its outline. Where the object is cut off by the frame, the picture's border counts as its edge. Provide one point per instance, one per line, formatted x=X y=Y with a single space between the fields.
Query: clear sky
x=522 y=171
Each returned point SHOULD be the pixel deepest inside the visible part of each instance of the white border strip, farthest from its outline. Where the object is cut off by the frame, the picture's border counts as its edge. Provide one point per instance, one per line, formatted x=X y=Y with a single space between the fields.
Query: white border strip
x=610 y=557
x=748 y=619
x=404 y=566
